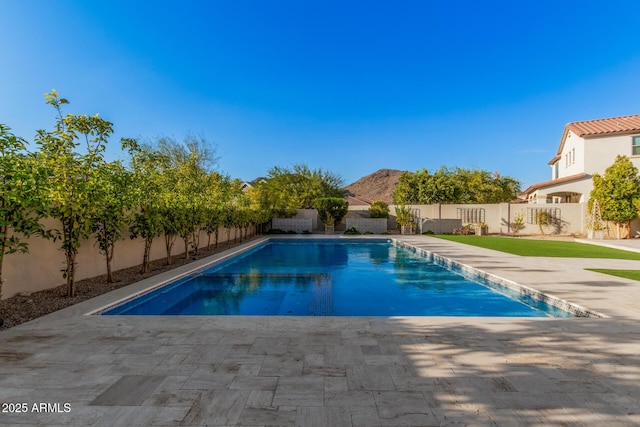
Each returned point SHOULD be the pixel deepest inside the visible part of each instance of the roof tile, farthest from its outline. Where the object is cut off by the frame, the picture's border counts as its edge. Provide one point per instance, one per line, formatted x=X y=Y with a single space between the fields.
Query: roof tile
x=609 y=126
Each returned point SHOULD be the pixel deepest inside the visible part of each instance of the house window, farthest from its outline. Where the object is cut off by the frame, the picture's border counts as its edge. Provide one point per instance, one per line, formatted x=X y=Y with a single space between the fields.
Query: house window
x=573 y=156
x=635 y=146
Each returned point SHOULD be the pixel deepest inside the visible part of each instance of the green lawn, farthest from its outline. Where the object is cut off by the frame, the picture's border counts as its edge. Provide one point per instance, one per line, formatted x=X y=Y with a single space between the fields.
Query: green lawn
x=549 y=248
x=627 y=274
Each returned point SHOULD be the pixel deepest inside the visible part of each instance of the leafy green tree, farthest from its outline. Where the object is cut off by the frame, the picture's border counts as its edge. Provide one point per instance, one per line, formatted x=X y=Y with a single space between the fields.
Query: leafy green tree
x=184 y=183
x=146 y=167
x=20 y=195
x=331 y=210
x=454 y=186
x=112 y=215
x=73 y=184
x=379 y=209
x=288 y=189
x=617 y=193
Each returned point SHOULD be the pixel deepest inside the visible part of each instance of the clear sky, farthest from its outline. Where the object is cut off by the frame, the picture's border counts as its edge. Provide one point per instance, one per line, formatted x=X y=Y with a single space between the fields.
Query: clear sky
x=350 y=87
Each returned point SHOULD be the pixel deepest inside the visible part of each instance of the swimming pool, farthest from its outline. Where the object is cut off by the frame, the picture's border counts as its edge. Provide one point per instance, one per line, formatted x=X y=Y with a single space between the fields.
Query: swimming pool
x=336 y=277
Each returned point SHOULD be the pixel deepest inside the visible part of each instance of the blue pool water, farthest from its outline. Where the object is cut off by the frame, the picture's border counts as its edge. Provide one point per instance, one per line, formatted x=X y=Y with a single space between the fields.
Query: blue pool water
x=333 y=278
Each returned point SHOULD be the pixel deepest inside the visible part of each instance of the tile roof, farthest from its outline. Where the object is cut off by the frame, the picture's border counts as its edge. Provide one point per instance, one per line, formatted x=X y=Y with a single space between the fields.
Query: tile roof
x=562 y=180
x=622 y=125
x=357 y=201
x=610 y=126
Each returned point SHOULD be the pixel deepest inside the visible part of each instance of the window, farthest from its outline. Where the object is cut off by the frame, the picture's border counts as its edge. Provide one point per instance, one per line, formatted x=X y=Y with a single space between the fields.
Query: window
x=573 y=156
x=635 y=146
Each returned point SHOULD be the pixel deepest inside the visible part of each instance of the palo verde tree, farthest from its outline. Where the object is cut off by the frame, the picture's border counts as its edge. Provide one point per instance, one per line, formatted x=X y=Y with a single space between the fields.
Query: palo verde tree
x=617 y=193
x=73 y=182
x=112 y=213
x=20 y=195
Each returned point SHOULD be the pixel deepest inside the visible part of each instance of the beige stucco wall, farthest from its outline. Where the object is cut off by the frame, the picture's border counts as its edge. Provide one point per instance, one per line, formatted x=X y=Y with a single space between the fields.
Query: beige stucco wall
x=41 y=268
x=500 y=217
x=600 y=153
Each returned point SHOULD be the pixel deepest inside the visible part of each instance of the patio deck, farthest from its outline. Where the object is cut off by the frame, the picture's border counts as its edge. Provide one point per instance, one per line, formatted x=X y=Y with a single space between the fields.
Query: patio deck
x=339 y=371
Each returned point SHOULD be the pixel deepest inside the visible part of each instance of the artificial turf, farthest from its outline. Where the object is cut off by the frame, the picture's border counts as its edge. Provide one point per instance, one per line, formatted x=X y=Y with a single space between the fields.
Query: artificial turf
x=627 y=274
x=544 y=248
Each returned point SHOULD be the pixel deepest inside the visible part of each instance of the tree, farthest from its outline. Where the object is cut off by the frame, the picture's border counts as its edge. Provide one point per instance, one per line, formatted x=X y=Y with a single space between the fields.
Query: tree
x=184 y=197
x=379 y=209
x=617 y=193
x=454 y=186
x=146 y=167
x=72 y=185
x=331 y=210
x=112 y=215
x=288 y=189
x=21 y=185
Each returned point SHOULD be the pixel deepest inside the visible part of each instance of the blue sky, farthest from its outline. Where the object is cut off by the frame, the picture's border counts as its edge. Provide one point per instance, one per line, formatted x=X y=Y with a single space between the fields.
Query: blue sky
x=349 y=87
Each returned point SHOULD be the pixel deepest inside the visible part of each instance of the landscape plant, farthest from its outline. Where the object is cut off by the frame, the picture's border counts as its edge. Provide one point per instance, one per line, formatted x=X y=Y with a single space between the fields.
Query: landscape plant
x=146 y=167
x=112 y=215
x=617 y=193
x=331 y=210
x=73 y=185
x=379 y=209
x=20 y=197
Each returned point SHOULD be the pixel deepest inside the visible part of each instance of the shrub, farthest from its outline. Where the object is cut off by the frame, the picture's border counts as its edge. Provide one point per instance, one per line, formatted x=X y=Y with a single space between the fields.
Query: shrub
x=352 y=231
x=331 y=210
x=379 y=209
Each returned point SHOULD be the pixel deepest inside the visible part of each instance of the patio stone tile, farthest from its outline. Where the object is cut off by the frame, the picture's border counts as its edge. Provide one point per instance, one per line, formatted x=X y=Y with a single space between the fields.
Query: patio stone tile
x=262 y=346
x=130 y=390
x=127 y=415
x=322 y=417
x=170 y=416
x=267 y=416
x=207 y=377
x=217 y=407
x=254 y=383
x=336 y=384
x=404 y=408
x=299 y=391
x=259 y=398
x=366 y=417
x=279 y=365
x=344 y=355
x=369 y=377
x=349 y=398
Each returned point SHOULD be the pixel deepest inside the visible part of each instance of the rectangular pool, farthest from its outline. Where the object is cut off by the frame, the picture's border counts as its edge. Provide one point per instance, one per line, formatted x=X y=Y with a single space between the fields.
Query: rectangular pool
x=337 y=277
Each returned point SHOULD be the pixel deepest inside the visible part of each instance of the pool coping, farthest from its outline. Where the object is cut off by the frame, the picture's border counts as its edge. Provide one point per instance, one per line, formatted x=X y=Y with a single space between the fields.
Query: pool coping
x=149 y=285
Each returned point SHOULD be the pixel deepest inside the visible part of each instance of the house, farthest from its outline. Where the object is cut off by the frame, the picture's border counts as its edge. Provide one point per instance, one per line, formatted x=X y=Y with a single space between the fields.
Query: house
x=587 y=148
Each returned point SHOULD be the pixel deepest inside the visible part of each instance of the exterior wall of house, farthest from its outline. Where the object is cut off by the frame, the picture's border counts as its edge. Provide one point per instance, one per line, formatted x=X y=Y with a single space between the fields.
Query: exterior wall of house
x=40 y=269
x=602 y=152
x=572 y=160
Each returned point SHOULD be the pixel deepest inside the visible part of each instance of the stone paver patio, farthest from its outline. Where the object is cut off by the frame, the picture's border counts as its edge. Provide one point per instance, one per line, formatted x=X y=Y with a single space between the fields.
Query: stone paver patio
x=339 y=371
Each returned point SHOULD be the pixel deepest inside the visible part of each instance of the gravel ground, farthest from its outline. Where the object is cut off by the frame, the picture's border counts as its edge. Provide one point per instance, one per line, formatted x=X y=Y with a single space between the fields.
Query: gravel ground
x=20 y=309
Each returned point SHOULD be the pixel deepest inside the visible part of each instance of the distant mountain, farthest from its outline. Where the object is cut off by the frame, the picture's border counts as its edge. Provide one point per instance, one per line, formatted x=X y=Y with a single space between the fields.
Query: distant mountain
x=376 y=186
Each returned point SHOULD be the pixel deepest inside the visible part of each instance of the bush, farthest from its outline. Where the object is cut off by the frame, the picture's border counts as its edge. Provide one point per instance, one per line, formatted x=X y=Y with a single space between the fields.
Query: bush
x=428 y=233
x=379 y=209
x=331 y=210
x=352 y=231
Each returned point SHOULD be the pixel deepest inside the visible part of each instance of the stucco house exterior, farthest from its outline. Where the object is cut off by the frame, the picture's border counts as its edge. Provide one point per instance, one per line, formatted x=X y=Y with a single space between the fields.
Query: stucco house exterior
x=586 y=148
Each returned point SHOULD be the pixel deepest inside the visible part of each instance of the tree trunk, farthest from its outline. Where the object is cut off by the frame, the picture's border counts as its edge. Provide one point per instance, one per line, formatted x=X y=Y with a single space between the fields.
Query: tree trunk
x=109 y=257
x=217 y=230
x=147 y=253
x=168 y=243
x=185 y=238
